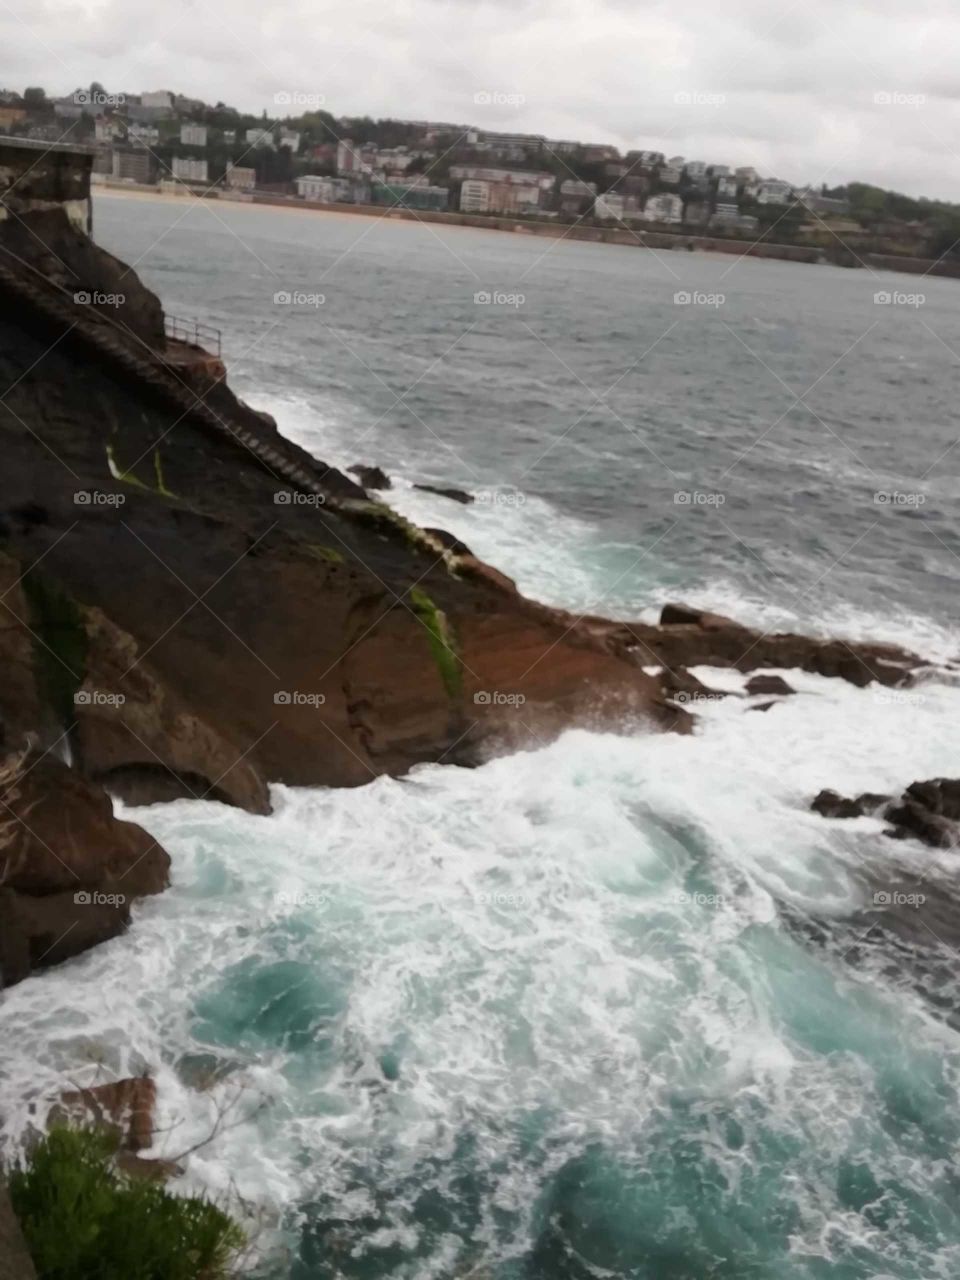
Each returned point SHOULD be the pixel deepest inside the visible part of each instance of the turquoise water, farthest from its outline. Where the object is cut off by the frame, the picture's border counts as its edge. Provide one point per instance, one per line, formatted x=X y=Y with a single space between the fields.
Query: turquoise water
x=618 y=1007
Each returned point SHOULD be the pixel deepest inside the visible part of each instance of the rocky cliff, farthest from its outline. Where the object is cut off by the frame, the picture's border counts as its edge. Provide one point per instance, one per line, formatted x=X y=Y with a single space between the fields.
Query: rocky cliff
x=194 y=606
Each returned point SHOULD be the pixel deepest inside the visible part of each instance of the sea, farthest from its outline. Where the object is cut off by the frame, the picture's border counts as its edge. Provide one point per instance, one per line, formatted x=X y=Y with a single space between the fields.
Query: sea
x=622 y=1006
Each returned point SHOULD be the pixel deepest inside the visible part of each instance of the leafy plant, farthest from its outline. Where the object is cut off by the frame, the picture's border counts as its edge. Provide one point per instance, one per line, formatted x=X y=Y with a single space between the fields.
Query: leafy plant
x=85 y=1220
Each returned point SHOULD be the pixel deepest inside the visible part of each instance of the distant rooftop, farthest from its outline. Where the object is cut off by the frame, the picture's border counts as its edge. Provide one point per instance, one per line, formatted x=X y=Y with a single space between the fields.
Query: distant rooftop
x=37 y=144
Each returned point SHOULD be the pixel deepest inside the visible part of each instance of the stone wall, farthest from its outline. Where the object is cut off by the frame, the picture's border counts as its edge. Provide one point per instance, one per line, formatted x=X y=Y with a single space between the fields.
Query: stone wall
x=36 y=176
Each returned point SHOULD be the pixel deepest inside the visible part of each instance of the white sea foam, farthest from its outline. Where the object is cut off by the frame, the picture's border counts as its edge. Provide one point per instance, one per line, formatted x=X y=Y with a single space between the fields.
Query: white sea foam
x=568 y=933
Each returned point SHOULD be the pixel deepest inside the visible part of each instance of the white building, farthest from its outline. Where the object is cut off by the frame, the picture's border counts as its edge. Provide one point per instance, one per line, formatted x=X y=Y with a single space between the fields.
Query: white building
x=475 y=196
x=259 y=138
x=146 y=134
x=162 y=98
x=669 y=175
x=676 y=162
x=348 y=157
x=609 y=206
x=323 y=190
x=747 y=173
x=394 y=159
x=188 y=169
x=773 y=191
x=240 y=178
x=665 y=207
x=290 y=138
x=727 y=189
x=519 y=177
x=696 y=169
x=720 y=170
x=106 y=130
x=193 y=135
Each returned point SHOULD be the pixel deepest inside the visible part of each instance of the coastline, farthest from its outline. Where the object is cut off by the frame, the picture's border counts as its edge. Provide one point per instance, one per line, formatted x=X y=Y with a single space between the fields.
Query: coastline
x=632 y=238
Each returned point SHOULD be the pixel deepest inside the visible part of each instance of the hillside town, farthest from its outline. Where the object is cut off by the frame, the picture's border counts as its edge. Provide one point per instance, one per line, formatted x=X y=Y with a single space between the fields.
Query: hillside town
x=175 y=143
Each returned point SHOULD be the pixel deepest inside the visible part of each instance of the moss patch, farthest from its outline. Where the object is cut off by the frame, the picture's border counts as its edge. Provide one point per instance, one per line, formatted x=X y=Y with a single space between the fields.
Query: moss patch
x=442 y=642
x=60 y=643
x=330 y=554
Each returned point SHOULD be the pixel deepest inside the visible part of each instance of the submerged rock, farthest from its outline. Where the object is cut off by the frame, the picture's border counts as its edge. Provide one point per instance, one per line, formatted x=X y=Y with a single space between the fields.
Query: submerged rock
x=829 y=804
x=456 y=495
x=927 y=811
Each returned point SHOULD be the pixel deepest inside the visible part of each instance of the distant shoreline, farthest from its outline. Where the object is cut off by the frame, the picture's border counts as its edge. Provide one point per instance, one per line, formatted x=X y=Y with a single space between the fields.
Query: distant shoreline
x=640 y=238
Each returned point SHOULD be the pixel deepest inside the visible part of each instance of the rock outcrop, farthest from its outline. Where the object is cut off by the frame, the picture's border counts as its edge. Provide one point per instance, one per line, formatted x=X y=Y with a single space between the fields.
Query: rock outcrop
x=371 y=477
x=927 y=811
x=455 y=495
x=69 y=870
x=210 y=609
x=692 y=637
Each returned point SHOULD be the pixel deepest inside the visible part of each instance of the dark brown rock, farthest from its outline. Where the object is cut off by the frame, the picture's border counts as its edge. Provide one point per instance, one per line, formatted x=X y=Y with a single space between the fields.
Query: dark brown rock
x=64 y=837
x=913 y=819
x=124 y=1108
x=770 y=685
x=371 y=477
x=456 y=495
x=682 y=686
x=831 y=805
x=692 y=637
x=70 y=868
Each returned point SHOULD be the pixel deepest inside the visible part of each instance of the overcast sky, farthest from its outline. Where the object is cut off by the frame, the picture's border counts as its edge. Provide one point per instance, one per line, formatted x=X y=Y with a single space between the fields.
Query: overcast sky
x=789 y=86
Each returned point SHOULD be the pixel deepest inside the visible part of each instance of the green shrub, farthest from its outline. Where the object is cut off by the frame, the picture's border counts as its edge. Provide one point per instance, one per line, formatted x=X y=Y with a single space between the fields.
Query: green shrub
x=84 y=1220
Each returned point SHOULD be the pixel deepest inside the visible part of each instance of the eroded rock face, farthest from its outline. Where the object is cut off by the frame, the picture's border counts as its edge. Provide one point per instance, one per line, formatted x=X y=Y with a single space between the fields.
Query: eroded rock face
x=70 y=869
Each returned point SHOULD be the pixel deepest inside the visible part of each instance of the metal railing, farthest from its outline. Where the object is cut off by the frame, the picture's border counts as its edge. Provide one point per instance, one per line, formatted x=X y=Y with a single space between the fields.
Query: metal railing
x=194 y=333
